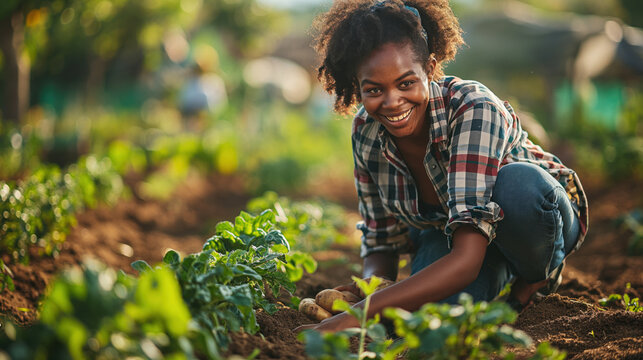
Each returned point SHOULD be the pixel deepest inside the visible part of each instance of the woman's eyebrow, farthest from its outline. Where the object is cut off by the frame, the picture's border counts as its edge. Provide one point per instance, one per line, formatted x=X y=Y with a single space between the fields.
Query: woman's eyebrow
x=410 y=72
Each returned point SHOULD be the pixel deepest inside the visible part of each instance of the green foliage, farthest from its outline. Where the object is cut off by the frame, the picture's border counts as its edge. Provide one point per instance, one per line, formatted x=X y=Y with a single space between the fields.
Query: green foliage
x=183 y=309
x=93 y=313
x=633 y=222
x=225 y=282
x=436 y=331
x=18 y=150
x=468 y=330
x=309 y=225
x=290 y=153
x=544 y=351
x=608 y=153
x=623 y=301
x=39 y=211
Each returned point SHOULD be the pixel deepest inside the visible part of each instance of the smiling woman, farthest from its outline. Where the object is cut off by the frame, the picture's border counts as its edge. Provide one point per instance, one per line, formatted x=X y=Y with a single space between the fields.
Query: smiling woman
x=395 y=89
x=443 y=168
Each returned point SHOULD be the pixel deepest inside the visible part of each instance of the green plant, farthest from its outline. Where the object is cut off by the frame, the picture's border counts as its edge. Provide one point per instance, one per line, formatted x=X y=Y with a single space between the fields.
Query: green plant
x=183 y=309
x=95 y=313
x=468 y=330
x=436 y=331
x=625 y=301
x=39 y=211
x=224 y=283
x=309 y=225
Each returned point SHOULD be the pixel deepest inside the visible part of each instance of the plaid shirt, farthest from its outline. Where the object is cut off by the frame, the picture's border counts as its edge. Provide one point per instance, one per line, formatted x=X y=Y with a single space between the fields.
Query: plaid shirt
x=473 y=134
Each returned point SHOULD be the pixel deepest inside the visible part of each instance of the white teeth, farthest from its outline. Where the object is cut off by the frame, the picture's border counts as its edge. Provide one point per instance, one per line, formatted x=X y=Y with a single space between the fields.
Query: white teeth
x=399 y=118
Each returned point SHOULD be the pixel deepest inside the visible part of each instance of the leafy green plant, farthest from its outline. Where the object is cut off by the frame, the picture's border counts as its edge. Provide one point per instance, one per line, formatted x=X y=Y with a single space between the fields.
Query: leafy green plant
x=94 y=312
x=624 y=301
x=436 y=331
x=39 y=211
x=183 y=309
x=468 y=330
x=309 y=225
x=224 y=283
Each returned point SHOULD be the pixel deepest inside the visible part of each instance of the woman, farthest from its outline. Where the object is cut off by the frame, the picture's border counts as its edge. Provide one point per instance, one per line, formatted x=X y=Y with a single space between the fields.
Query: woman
x=443 y=169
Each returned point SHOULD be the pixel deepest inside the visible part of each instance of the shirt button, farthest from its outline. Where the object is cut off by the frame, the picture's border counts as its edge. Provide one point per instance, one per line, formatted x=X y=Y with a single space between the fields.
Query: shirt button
x=433 y=166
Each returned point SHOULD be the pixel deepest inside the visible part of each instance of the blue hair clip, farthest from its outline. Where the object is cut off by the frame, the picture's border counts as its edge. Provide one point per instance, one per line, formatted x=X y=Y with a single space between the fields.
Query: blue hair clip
x=380 y=4
x=417 y=13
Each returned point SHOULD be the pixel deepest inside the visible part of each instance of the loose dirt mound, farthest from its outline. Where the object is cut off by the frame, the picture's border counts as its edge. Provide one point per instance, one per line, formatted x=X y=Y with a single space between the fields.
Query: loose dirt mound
x=137 y=229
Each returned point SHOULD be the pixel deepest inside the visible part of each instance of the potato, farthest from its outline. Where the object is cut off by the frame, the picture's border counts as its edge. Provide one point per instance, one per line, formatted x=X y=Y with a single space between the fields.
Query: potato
x=326 y=298
x=309 y=308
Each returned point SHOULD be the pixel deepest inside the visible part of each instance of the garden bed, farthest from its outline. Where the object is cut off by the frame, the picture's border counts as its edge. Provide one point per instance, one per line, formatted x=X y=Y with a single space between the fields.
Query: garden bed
x=136 y=229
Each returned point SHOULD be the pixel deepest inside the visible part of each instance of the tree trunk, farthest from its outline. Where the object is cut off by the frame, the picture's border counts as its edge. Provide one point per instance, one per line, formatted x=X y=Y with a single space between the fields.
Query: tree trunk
x=16 y=68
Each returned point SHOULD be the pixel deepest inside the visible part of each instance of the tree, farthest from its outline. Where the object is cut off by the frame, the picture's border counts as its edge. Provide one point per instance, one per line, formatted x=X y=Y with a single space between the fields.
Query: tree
x=16 y=64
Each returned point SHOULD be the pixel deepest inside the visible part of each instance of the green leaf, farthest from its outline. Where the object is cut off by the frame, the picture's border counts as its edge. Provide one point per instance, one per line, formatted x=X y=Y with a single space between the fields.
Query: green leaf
x=368 y=286
x=245 y=270
x=171 y=257
x=239 y=295
x=377 y=332
x=141 y=266
x=224 y=226
x=341 y=305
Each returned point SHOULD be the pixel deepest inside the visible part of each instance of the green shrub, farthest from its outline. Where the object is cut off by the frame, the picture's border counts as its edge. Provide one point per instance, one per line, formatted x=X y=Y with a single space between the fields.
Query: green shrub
x=309 y=225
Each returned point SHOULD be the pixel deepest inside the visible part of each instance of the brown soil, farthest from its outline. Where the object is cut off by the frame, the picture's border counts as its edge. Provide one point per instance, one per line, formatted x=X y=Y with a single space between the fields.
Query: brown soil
x=136 y=229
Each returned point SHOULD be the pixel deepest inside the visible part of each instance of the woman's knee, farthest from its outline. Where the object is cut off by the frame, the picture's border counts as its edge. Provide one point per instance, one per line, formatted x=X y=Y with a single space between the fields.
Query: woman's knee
x=524 y=183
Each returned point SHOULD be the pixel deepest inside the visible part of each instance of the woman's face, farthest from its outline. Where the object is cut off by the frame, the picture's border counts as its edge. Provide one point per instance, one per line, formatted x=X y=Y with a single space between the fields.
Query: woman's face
x=394 y=88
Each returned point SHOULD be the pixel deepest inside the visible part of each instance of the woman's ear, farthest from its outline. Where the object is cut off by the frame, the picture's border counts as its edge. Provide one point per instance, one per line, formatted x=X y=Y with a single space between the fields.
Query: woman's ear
x=430 y=67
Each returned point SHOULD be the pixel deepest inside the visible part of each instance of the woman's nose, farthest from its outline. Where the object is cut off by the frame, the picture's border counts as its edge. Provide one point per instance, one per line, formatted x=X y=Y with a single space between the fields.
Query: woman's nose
x=392 y=99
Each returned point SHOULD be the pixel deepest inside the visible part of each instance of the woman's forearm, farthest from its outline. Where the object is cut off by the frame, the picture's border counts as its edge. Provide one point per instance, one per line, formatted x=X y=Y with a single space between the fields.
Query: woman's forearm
x=445 y=277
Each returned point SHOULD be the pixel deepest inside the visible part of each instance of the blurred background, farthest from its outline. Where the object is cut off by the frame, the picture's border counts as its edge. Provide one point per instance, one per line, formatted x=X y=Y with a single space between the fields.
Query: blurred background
x=166 y=89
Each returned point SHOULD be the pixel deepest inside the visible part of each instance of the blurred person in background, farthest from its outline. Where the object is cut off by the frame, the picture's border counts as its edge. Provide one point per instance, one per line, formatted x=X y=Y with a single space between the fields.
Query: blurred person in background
x=203 y=91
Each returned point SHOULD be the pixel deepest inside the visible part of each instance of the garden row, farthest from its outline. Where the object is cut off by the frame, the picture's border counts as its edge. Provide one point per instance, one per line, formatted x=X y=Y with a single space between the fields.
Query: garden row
x=186 y=307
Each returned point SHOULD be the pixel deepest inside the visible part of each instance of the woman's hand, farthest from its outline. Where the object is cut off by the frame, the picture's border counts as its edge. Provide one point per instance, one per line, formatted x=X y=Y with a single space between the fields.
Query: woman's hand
x=336 y=323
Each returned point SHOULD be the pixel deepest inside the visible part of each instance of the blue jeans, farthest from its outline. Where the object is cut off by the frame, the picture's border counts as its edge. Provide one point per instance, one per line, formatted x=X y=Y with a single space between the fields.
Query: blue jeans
x=539 y=229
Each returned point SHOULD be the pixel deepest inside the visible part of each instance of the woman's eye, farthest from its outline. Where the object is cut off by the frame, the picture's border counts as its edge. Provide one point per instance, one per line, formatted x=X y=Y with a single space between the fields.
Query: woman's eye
x=373 y=91
x=406 y=83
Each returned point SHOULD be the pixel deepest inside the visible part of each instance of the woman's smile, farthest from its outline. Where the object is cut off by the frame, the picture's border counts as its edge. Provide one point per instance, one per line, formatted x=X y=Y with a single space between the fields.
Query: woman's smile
x=399 y=118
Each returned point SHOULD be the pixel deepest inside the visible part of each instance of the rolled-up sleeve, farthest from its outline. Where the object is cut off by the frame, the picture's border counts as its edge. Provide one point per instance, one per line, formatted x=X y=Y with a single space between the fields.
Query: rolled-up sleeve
x=480 y=133
x=381 y=231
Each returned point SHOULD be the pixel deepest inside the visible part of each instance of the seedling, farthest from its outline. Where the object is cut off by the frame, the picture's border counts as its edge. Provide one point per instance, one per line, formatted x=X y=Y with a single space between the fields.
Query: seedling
x=628 y=303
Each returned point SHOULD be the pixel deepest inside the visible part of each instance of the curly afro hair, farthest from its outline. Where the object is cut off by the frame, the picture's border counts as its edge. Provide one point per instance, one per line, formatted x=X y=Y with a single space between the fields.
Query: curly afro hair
x=352 y=29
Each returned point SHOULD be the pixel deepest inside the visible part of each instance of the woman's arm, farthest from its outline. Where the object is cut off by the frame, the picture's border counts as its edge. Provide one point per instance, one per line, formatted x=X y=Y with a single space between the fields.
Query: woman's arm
x=382 y=264
x=445 y=277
